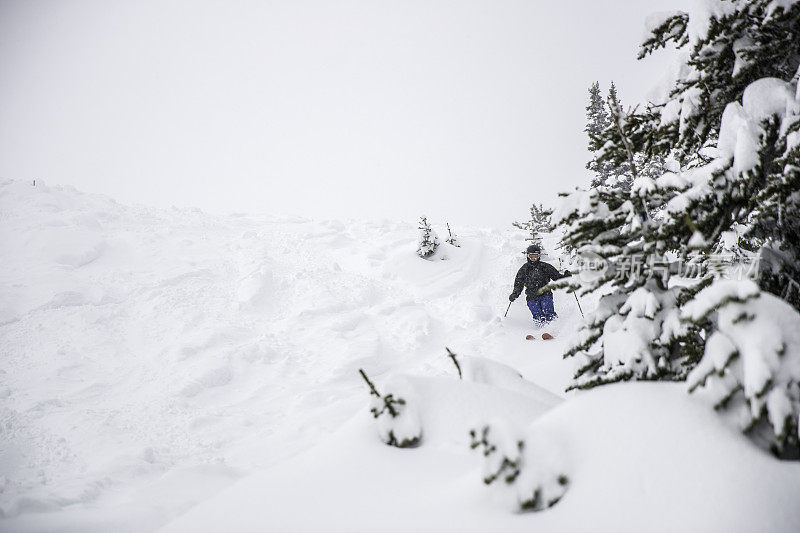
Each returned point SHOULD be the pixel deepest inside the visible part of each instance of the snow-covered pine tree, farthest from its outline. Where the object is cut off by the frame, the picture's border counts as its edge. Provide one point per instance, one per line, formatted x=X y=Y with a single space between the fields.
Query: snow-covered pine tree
x=751 y=360
x=596 y=123
x=620 y=161
x=596 y=113
x=611 y=227
x=538 y=223
x=732 y=122
x=428 y=239
x=653 y=166
x=606 y=172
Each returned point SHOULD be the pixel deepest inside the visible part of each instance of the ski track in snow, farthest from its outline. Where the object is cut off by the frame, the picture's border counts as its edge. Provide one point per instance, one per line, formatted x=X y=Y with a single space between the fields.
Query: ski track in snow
x=150 y=349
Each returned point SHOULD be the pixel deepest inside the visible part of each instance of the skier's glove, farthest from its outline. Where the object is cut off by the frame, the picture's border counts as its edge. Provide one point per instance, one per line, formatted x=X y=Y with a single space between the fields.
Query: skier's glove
x=567 y=273
x=511 y=297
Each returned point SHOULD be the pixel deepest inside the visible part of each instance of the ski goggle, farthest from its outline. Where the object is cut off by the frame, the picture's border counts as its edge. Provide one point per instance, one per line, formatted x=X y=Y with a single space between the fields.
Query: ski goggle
x=534 y=255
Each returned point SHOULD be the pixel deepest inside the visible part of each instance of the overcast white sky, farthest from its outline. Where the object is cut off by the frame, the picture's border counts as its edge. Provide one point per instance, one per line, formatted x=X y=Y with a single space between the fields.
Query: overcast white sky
x=466 y=110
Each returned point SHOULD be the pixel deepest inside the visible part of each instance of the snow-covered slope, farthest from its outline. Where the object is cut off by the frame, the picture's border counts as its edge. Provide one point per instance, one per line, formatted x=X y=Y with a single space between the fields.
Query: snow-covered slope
x=177 y=370
x=151 y=357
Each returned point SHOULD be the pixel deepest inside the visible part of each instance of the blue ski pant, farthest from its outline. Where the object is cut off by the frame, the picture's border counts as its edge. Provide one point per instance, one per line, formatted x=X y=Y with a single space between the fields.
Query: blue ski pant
x=542 y=308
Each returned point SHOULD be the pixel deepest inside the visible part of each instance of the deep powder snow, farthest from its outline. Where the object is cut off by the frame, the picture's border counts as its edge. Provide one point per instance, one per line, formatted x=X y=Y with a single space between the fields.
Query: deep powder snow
x=170 y=368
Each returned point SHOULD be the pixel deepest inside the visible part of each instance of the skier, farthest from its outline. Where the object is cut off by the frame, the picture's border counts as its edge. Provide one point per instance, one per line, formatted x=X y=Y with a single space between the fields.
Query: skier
x=534 y=275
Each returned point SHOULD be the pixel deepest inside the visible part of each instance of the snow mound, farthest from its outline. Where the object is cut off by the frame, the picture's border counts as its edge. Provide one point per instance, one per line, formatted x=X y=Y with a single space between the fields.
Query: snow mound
x=614 y=448
x=444 y=409
x=486 y=371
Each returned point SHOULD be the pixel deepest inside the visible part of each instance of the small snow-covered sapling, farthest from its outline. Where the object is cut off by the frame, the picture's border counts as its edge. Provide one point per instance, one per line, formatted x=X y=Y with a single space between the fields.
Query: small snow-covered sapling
x=428 y=240
x=452 y=356
x=535 y=472
x=452 y=237
x=401 y=429
x=538 y=224
x=501 y=464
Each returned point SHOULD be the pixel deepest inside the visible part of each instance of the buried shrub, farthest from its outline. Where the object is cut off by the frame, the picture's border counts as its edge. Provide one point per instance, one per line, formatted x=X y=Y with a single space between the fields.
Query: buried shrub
x=398 y=423
x=531 y=466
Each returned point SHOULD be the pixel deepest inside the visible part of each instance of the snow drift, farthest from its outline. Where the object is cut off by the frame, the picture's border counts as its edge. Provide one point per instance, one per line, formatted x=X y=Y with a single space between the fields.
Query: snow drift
x=630 y=470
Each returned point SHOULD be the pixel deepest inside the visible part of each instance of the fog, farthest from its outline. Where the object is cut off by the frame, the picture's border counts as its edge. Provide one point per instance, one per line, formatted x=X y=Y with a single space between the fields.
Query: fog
x=465 y=110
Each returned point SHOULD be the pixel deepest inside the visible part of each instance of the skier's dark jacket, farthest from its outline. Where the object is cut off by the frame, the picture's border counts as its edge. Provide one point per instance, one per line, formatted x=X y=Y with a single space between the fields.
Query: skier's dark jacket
x=534 y=275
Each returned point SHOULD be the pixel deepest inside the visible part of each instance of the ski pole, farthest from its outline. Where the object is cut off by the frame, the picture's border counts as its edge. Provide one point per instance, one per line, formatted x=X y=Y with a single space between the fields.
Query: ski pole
x=579 y=305
x=509 y=307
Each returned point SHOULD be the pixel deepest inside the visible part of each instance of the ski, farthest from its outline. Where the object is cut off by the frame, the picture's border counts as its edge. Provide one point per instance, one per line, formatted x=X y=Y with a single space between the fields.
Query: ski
x=545 y=337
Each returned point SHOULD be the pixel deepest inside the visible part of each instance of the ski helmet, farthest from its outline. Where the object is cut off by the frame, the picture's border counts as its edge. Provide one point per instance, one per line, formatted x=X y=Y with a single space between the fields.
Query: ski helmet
x=534 y=249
